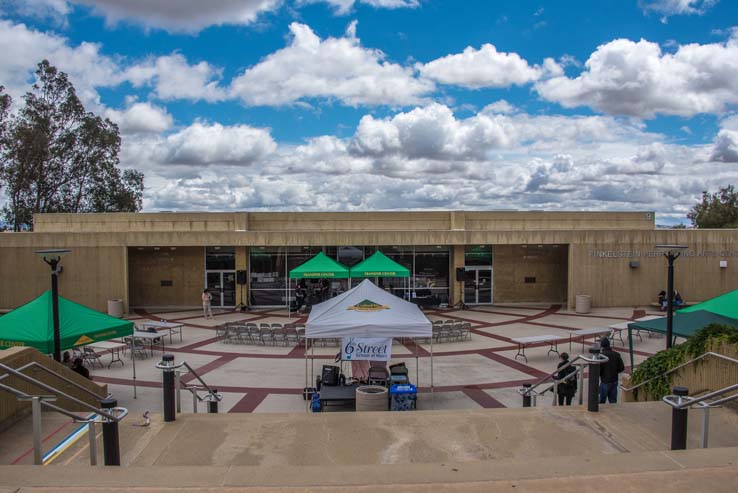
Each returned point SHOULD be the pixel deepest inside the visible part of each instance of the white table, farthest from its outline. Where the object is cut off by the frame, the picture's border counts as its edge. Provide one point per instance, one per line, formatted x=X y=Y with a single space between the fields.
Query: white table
x=584 y=333
x=624 y=325
x=151 y=337
x=522 y=342
x=172 y=327
x=113 y=347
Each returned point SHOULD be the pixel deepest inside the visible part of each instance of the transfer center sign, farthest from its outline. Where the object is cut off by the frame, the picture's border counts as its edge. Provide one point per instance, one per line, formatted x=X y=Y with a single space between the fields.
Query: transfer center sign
x=366 y=348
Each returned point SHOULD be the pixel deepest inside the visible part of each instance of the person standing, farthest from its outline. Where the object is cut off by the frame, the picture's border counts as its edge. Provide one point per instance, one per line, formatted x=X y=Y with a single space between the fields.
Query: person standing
x=207 y=299
x=565 y=390
x=609 y=373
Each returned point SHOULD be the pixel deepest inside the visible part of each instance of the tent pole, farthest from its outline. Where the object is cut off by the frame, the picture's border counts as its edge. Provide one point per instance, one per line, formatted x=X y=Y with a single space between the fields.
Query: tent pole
x=417 y=370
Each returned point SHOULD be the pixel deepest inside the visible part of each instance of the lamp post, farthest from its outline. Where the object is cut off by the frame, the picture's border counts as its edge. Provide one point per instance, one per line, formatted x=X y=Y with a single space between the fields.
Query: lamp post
x=672 y=253
x=53 y=257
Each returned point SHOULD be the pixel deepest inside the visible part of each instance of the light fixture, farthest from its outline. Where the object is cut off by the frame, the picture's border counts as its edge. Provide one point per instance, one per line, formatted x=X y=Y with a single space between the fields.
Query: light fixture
x=53 y=257
x=672 y=253
x=723 y=264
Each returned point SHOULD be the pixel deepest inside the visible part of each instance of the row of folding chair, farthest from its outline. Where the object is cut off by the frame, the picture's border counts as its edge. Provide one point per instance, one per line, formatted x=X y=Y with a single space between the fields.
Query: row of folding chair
x=261 y=334
x=451 y=331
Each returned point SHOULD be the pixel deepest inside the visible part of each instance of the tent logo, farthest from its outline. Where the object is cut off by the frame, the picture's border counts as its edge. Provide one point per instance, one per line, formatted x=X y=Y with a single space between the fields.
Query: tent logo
x=83 y=340
x=368 y=306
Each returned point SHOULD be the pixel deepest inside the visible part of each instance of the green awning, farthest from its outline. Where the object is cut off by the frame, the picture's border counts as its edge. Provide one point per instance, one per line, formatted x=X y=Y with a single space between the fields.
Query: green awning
x=725 y=305
x=379 y=265
x=33 y=325
x=318 y=267
x=683 y=325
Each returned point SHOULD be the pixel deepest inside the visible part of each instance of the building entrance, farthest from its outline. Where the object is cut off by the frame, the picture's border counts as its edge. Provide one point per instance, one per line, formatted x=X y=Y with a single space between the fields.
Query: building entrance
x=478 y=285
x=222 y=285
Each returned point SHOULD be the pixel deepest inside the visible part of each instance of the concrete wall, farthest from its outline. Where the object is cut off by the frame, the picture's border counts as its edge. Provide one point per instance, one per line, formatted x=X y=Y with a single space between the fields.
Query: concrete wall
x=11 y=409
x=183 y=266
x=546 y=263
x=90 y=276
x=600 y=265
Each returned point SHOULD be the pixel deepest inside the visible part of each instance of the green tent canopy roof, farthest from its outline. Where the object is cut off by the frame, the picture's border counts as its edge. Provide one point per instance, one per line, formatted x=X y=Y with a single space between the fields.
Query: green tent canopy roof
x=379 y=265
x=33 y=325
x=684 y=324
x=318 y=267
x=725 y=305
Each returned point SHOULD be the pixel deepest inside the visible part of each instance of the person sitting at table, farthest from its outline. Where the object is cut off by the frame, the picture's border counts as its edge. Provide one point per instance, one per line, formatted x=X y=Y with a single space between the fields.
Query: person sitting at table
x=678 y=301
x=67 y=359
x=663 y=302
x=79 y=367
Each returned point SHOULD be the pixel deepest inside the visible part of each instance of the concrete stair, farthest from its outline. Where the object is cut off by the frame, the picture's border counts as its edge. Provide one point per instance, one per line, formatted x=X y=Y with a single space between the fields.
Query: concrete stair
x=479 y=450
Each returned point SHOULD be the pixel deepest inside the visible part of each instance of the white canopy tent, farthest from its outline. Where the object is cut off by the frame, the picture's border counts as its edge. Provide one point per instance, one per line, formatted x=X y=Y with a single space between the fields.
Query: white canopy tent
x=368 y=311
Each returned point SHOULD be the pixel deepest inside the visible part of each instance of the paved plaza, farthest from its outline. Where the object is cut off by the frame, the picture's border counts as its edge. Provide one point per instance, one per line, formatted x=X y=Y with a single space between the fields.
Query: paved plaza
x=481 y=372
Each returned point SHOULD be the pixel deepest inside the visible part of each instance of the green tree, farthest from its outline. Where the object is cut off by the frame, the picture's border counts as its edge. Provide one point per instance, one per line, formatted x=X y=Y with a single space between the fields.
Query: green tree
x=716 y=210
x=56 y=157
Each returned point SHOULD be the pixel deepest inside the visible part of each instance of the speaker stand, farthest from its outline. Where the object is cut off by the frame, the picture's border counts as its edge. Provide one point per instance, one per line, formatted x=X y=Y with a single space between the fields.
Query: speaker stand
x=460 y=304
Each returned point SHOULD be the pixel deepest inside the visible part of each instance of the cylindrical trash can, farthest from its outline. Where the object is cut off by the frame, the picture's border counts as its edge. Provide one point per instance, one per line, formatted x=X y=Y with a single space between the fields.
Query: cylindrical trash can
x=583 y=303
x=115 y=308
x=371 y=398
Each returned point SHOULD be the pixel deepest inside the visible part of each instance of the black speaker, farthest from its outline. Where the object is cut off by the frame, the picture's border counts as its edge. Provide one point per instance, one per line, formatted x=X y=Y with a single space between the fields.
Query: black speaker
x=460 y=274
x=241 y=276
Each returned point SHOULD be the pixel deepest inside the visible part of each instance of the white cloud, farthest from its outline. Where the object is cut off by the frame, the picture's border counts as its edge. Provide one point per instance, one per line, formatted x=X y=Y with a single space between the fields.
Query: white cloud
x=174 y=78
x=343 y=7
x=485 y=67
x=204 y=144
x=501 y=106
x=182 y=16
x=334 y=68
x=668 y=8
x=635 y=78
x=54 y=10
x=21 y=49
x=141 y=118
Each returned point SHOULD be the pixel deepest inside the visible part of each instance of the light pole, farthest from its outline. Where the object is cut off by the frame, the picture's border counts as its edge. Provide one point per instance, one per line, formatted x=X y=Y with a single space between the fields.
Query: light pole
x=672 y=253
x=53 y=257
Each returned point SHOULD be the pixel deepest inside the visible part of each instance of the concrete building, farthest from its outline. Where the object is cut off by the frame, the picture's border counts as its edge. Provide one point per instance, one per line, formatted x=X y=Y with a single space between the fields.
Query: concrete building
x=166 y=259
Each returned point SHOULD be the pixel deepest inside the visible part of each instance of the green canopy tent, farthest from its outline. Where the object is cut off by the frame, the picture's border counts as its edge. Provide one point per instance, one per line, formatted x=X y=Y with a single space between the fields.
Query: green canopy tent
x=725 y=305
x=32 y=325
x=683 y=325
x=379 y=265
x=319 y=267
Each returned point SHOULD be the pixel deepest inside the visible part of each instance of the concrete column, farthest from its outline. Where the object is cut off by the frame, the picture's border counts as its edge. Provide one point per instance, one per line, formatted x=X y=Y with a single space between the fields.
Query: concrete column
x=457 y=260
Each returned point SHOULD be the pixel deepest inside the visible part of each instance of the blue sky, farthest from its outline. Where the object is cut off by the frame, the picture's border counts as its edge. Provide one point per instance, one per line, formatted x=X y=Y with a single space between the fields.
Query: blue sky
x=395 y=104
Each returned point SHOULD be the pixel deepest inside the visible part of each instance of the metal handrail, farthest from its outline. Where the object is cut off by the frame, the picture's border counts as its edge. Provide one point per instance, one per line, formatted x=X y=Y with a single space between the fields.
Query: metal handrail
x=212 y=393
x=684 y=402
x=58 y=375
x=528 y=391
x=669 y=372
x=33 y=381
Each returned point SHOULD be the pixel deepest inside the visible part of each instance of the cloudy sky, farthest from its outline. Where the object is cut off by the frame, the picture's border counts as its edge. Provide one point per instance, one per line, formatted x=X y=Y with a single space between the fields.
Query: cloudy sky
x=401 y=104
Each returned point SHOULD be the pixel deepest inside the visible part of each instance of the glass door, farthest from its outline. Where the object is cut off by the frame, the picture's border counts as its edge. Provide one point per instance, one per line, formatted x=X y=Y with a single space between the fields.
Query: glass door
x=222 y=286
x=478 y=285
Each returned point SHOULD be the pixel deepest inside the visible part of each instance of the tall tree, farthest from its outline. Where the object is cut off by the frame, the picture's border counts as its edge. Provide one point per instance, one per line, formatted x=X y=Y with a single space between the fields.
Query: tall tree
x=56 y=157
x=716 y=210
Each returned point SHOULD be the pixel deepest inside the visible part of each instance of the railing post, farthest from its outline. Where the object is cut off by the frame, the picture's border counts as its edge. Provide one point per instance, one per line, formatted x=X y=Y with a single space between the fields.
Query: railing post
x=194 y=402
x=36 y=411
x=111 y=442
x=167 y=360
x=213 y=402
x=178 y=389
x=92 y=432
x=581 y=383
x=705 y=426
x=555 y=393
x=526 y=397
x=679 y=421
x=593 y=395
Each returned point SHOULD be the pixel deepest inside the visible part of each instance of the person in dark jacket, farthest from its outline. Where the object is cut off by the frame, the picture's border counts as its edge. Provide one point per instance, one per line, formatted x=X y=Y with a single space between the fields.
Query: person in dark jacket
x=609 y=373
x=566 y=390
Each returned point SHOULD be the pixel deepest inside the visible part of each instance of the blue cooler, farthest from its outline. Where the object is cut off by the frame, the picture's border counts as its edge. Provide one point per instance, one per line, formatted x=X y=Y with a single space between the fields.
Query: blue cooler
x=402 y=397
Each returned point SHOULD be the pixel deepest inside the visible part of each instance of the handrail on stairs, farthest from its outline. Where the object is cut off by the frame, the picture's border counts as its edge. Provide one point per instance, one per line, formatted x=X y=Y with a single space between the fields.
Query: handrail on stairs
x=581 y=361
x=212 y=395
x=113 y=414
